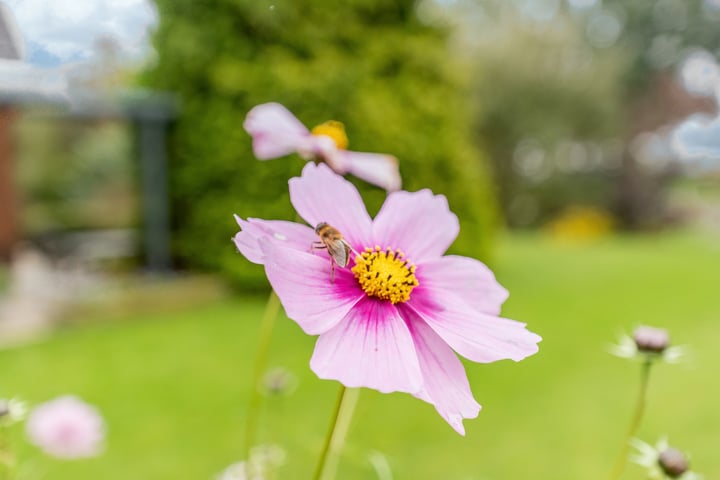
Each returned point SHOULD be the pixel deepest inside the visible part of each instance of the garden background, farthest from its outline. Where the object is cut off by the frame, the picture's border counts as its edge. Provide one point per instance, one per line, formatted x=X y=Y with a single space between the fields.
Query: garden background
x=552 y=128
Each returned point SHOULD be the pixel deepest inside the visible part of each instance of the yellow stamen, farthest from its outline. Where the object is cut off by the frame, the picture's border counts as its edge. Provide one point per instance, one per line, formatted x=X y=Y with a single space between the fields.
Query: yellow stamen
x=334 y=130
x=385 y=274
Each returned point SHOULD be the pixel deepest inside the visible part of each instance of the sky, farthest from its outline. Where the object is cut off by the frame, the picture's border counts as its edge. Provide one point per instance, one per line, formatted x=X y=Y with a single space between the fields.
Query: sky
x=61 y=32
x=697 y=139
x=58 y=32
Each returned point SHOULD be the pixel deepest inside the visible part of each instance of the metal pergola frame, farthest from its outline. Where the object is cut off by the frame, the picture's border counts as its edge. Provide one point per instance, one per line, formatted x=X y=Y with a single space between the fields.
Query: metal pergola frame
x=151 y=114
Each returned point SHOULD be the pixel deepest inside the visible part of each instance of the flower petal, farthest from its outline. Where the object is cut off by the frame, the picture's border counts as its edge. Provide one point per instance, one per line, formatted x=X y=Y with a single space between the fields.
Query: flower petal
x=375 y=168
x=468 y=278
x=302 y=281
x=322 y=147
x=419 y=223
x=445 y=384
x=475 y=335
x=371 y=348
x=319 y=195
x=275 y=131
x=254 y=231
x=67 y=428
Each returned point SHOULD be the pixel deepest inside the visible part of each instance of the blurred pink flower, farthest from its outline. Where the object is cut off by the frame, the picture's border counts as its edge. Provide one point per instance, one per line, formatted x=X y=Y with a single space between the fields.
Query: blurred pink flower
x=277 y=132
x=390 y=320
x=66 y=427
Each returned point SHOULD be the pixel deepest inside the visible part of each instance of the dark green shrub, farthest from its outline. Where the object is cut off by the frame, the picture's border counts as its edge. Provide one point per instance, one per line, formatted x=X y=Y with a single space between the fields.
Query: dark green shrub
x=369 y=63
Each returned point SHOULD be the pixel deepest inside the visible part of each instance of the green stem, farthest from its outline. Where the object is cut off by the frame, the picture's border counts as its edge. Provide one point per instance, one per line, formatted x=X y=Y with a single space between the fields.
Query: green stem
x=635 y=422
x=335 y=439
x=255 y=402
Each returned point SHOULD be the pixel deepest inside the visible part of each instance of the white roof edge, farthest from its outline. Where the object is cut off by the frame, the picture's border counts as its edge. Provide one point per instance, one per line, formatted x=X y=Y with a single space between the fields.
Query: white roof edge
x=13 y=30
x=20 y=80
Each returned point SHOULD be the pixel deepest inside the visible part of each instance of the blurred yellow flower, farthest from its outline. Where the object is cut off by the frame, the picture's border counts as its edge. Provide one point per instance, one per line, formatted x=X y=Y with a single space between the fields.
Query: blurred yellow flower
x=580 y=224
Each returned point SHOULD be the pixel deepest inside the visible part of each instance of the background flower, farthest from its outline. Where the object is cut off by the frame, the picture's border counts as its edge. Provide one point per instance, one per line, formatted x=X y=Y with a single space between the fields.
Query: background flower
x=11 y=411
x=263 y=464
x=648 y=343
x=662 y=461
x=67 y=428
x=277 y=132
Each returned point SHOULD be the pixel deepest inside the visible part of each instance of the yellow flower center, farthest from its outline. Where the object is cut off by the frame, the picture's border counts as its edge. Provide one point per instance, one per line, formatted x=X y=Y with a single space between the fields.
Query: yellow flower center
x=334 y=130
x=385 y=274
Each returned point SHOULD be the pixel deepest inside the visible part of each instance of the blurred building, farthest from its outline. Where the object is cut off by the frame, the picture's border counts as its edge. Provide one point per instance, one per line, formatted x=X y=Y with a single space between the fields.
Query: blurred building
x=11 y=46
x=11 y=49
x=75 y=97
x=21 y=84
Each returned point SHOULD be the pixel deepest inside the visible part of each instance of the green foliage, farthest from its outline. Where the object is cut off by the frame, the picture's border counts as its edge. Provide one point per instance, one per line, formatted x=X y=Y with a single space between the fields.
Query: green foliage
x=544 y=87
x=368 y=63
x=74 y=172
x=4 y=278
x=658 y=35
x=558 y=76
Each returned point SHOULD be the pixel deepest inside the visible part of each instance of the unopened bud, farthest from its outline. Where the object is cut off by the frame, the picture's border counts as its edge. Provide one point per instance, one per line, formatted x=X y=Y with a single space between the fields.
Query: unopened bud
x=651 y=340
x=278 y=381
x=673 y=462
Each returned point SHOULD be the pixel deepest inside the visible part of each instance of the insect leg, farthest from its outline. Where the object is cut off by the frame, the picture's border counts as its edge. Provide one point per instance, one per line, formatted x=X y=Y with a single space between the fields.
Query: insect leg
x=317 y=246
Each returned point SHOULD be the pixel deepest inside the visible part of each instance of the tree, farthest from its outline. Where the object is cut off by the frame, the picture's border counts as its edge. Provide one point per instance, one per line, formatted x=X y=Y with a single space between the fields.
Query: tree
x=368 y=63
x=587 y=76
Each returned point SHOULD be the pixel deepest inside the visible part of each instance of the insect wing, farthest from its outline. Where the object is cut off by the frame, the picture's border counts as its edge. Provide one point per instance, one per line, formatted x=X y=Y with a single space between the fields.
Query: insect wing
x=339 y=250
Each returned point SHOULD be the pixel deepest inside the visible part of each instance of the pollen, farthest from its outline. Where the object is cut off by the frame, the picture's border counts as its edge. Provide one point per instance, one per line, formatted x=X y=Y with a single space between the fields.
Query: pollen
x=335 y=130
x=385 y=274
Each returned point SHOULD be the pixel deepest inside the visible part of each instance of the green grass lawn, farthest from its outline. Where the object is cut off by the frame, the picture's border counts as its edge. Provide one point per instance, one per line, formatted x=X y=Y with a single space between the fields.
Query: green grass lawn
x=173 y=386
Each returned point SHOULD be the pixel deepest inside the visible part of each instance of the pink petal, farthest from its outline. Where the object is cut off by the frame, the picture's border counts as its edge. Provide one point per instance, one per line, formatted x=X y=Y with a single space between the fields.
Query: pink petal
x=275 y=131
x=255 y=231
x=375 y=168
x=371 y=348
x=445 y=384
x=67 y=428
x=468 y=278
x=419 y=223
x=320 y=195
x=475 y=335
x=324 y=148
x=302 y=281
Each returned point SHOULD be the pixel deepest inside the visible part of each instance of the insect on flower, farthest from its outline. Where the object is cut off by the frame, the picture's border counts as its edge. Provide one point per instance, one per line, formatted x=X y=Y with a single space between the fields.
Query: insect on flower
x=338 y=248
x=395 y=319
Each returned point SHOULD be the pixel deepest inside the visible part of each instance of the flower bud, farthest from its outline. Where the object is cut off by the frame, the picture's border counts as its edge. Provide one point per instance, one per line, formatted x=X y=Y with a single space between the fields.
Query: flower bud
x=278 y=381
x=673 y=462
x=11 y=411
x=651 y=340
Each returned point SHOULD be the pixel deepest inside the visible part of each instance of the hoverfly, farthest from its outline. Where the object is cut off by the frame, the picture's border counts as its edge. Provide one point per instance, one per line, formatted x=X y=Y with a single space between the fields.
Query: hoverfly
x=338 y=248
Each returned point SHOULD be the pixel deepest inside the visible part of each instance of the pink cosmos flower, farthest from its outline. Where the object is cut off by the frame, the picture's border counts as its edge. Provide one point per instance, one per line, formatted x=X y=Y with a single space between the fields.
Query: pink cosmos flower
x=66 y=428
x=277 y=132
x=391 y=319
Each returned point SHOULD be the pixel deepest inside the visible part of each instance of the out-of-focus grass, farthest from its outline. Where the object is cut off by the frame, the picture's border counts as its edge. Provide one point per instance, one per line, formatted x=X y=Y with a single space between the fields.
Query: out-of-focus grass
x=173 y=386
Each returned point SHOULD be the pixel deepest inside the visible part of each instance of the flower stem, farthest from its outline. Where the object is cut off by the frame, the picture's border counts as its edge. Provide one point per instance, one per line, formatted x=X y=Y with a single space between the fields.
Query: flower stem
x=635 y=422
x=266 y=328
x=347 y=400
